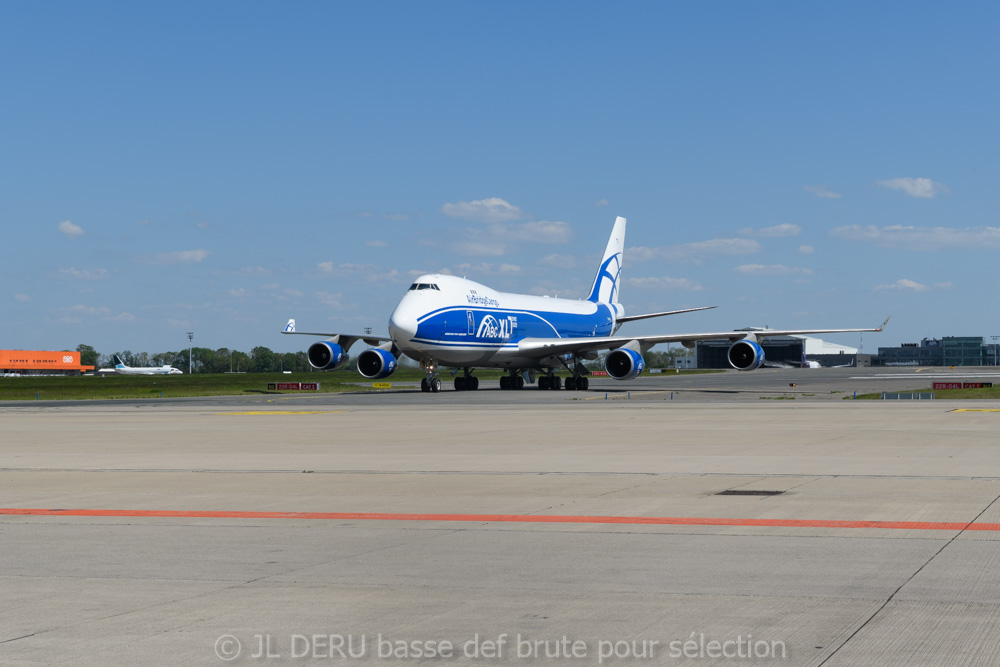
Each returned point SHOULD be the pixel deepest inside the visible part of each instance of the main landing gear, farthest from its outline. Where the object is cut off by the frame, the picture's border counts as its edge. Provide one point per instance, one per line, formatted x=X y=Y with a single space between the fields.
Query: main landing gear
x=512 y=380
x=466 y=382
x=553 y=381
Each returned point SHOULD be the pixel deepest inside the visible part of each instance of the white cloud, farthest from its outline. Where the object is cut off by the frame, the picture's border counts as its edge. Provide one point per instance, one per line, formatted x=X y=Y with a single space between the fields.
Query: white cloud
x=922 y=188
x=822 y=192
x=73 y=273
x=70 y=230
x=90 y=310
x=178 y=257
x=329 y=299
x=102 y=312
x=486 y=267
x=922 y=238
x=559 y=261
x=541 y=231
x=346 y=269
x=376 y=244
x=665 y=282
x=478 y=248
x=601 y=202
x=904 y=283
x=694 y=252
x=23 y=298
x=239 y=292
x=493 y=241
x=771 y=270
x=777 y=231
x=806 y=250
x=492 y=209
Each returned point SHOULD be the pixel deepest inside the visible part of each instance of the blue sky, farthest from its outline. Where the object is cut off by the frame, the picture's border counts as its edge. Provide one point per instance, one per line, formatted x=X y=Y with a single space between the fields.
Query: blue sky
x=221 y=167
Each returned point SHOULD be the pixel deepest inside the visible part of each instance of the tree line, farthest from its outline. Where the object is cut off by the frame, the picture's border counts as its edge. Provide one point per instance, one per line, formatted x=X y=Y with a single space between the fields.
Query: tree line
x=263 y=360
x=203 y=360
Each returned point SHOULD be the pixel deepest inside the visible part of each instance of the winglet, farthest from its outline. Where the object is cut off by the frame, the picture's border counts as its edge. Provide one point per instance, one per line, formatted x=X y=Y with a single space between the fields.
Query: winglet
x=290 y=327
x=884 y=323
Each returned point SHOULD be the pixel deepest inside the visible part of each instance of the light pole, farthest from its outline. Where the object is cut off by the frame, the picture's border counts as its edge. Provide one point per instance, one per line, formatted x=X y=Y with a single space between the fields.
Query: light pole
x=190 y=335
x=995 y=349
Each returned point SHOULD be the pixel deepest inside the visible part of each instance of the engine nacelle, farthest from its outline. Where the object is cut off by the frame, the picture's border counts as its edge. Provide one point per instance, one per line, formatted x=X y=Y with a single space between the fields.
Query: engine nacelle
x=376 y=364
x=746 y=355
x=623 y=364
x=326 y=355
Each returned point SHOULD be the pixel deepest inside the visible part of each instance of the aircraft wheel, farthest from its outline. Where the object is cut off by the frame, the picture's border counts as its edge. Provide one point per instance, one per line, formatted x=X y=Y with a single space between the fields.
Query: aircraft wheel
x=460 y=383
x=543 y=382
x=504 y=382
x=475 y=383
x=556 y=382
x=424 y=385
x=436 y=385
x=584 y=384
x=519 y=382
x=570 y=383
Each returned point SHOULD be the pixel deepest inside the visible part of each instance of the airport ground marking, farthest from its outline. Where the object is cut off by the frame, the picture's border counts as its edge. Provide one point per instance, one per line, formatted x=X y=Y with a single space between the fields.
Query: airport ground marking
x=975 y=410
x=508 y=518
x=282 y=412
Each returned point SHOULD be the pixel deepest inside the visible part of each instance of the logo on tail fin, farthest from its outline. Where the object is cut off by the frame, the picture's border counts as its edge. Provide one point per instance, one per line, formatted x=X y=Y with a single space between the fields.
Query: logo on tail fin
x=606 y=284
x=290 y=327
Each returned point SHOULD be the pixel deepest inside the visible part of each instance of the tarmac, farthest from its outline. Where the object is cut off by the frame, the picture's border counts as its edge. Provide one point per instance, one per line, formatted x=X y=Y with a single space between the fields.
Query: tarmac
x=689 y=519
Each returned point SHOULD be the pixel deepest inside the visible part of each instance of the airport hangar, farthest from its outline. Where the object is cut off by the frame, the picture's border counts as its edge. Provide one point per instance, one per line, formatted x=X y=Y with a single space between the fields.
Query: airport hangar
x=785 y=350
x=34 y=362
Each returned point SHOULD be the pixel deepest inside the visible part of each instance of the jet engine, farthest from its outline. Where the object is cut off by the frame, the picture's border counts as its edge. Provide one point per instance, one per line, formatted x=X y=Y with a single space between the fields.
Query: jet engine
x=326 y=355
x=376 y=364
x=624 y=364
x=746 y=355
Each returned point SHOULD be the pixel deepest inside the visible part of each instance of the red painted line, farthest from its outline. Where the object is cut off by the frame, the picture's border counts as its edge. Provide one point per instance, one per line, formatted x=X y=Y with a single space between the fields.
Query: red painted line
x=510 y=518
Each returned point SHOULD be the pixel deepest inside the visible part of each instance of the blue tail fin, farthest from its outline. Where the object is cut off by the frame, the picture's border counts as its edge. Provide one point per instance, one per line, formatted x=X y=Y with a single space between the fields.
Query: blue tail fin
x=606 y=284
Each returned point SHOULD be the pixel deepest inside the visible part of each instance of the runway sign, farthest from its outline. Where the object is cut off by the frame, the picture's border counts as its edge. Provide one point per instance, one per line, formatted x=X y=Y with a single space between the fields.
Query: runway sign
x=962 y=385
x=293 y=386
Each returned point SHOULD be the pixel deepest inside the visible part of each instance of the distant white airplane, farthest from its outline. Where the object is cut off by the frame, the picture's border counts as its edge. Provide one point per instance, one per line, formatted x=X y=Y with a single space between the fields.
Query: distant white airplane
x=446 y=321
x=121 y=369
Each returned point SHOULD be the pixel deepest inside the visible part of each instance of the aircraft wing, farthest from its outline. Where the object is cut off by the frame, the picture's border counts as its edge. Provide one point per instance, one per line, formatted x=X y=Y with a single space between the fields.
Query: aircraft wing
x=343 y=340
x=544 y=347
x=632 y=318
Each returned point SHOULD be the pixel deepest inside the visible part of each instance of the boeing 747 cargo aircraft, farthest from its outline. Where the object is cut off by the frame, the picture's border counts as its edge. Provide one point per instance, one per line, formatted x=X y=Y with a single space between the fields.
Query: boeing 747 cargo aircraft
x=448 y=322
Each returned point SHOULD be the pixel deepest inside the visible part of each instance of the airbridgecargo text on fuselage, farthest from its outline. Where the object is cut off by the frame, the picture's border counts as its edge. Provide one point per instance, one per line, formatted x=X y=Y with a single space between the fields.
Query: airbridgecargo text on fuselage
x=482 y=300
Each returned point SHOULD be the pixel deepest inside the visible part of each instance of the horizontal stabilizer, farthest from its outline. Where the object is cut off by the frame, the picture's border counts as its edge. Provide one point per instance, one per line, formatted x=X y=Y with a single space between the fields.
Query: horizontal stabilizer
x=631 y=318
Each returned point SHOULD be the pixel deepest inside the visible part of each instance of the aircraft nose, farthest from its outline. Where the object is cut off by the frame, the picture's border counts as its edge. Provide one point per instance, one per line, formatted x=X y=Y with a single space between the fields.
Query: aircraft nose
x=402 y=325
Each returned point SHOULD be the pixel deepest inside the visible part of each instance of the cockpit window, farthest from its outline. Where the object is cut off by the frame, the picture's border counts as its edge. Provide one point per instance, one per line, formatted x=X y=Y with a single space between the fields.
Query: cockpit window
x=419 y=286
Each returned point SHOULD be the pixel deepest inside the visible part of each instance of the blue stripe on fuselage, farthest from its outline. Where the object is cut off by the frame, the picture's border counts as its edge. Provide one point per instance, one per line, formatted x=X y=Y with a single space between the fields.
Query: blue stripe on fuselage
x=494 y=327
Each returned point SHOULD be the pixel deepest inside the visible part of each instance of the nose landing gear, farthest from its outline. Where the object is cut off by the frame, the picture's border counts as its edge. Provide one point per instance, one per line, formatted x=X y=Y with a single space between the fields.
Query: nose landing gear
x=432 y=382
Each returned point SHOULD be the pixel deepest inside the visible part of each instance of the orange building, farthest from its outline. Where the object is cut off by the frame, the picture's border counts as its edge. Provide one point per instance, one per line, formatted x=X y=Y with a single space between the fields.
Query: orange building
x=32 y=362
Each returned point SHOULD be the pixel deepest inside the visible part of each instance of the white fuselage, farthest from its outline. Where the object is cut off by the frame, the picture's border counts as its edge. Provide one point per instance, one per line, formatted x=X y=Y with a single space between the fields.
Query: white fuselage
x=147 y=370
x=450 y=321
